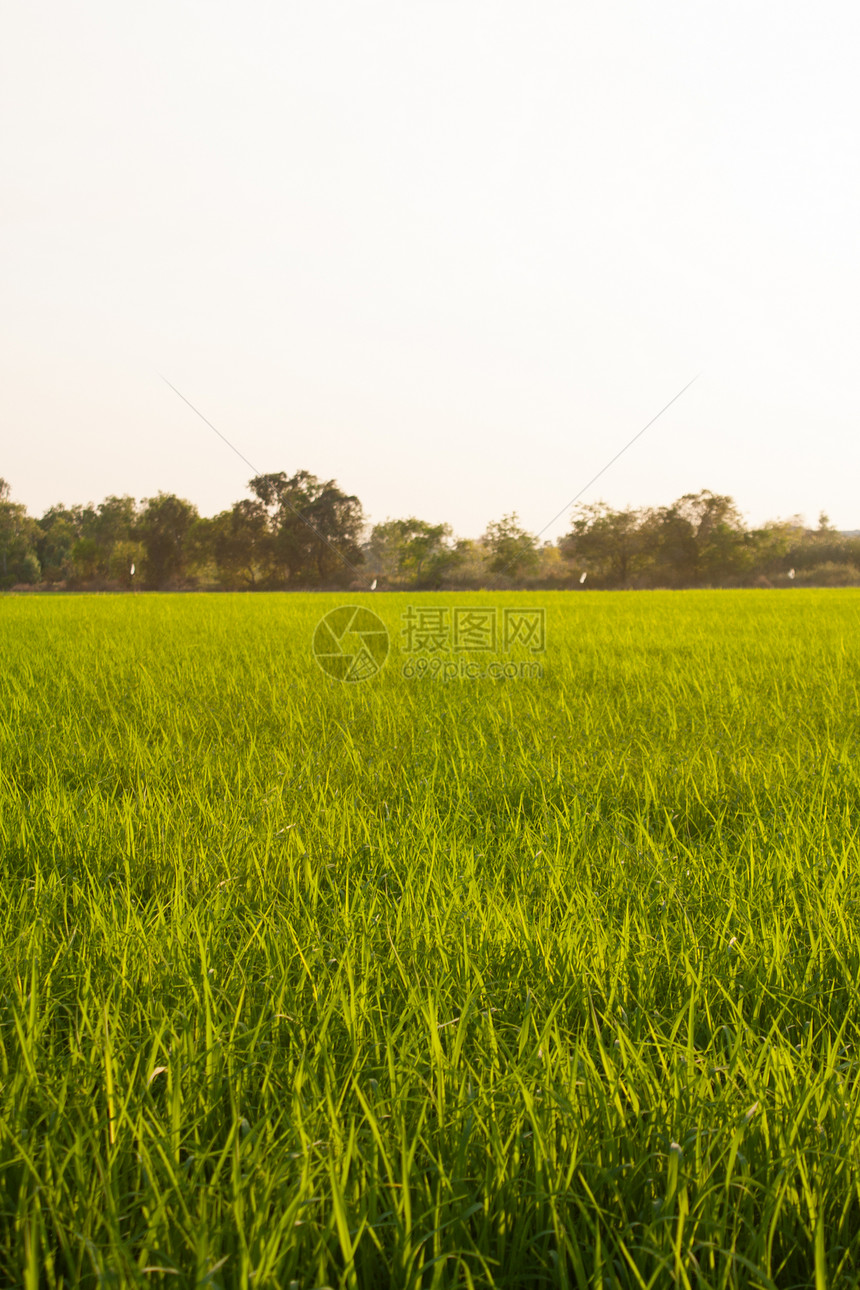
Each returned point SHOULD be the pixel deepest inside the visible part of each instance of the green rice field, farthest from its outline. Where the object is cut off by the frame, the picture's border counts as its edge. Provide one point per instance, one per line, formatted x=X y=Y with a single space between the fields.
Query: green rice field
x=546 y=978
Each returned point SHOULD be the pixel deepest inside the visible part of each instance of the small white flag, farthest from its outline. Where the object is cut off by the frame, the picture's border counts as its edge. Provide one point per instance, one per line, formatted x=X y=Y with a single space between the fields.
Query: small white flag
x=582 y=578
x=131 y=570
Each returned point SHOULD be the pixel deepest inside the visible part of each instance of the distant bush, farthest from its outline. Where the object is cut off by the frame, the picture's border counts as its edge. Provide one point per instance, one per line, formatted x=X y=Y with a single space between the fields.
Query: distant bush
x=829 y=574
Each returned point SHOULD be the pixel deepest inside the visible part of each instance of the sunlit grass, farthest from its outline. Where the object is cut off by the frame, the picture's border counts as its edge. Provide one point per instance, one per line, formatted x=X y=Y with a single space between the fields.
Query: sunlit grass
x=425 y=984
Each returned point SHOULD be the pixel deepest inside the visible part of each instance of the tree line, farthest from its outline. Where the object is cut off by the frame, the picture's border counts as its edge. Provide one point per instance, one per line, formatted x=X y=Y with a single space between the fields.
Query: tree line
x=298 y=531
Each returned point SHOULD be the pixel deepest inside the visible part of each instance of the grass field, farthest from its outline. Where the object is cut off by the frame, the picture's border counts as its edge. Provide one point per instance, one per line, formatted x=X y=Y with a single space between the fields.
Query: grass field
x=425 y=983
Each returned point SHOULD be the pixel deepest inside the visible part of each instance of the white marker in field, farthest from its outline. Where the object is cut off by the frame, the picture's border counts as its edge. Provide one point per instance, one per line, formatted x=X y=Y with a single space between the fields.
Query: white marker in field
x=582 y=578
x=373 y=585
x=791 y=573
x=131 y=570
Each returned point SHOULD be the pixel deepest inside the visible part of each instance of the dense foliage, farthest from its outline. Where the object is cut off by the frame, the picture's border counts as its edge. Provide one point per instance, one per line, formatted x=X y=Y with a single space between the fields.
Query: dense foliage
x=298 y=531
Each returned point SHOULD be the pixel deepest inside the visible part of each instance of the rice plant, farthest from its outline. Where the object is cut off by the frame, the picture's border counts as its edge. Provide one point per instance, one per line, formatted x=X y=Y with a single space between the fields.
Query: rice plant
x=551 y=981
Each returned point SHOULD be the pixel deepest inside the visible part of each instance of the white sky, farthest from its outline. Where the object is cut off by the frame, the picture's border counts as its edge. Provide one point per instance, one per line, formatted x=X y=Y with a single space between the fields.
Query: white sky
x=454 y=253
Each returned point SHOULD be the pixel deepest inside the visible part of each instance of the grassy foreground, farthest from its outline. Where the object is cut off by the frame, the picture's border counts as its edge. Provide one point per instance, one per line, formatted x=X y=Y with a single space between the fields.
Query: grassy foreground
x=424 y=983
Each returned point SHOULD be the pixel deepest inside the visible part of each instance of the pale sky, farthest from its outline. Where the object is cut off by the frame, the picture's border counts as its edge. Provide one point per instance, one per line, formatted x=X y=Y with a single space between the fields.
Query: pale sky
x=454 y=253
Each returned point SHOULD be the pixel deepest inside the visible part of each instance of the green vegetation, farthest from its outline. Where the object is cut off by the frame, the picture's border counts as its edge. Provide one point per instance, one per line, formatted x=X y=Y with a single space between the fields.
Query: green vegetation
x=299 y=532
x=426 y=984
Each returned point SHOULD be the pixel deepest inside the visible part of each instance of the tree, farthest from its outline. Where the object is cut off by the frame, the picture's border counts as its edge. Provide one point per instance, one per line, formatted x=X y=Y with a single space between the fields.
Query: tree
x=775 y=546
x=700 y=538
x=512 y=550
x=18 y=559
x=241 y=543
x=315 y=527
x=415 y=551
x=86 y=558
x=59 y=529
x=164 y=525
x=78 y=542
x=113 y=523
x=609 y=543
x=125 y=556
